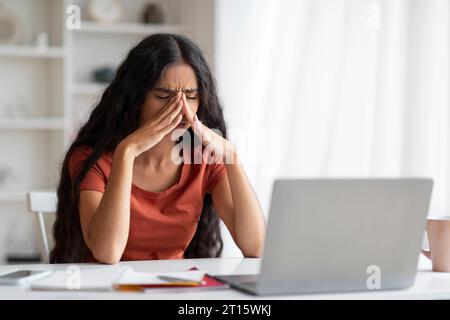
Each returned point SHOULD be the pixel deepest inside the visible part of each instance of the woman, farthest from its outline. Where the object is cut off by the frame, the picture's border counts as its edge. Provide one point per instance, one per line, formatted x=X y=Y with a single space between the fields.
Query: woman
x=122 y=194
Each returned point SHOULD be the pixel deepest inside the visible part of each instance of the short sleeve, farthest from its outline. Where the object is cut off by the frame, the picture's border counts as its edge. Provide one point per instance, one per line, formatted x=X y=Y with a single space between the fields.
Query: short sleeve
x=215 y=173
x=94 y=179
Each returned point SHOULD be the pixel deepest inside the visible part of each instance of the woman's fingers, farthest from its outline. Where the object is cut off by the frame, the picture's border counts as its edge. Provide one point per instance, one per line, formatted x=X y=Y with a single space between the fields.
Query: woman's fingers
x=167 y=106
x=198 y=126
x=188 y=113
x=152 y=123
x=192 y=118
x=167 y=129
x=171 y=107
x=170 y=116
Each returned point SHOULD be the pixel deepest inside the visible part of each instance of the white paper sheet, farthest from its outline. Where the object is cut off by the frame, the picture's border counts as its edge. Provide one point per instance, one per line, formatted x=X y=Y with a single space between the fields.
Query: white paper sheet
x=132 y=277
x=96 y=279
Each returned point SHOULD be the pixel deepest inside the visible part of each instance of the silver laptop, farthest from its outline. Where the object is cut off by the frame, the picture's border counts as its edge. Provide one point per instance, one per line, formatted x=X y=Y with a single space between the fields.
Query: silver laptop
x=341 y=235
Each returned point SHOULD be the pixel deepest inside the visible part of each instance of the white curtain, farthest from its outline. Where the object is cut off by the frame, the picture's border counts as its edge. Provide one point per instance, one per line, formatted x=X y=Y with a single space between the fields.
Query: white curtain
x=337 y=88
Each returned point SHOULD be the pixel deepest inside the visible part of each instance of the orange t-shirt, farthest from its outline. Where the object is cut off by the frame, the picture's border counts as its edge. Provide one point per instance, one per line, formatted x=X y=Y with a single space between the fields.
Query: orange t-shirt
x=162 y=224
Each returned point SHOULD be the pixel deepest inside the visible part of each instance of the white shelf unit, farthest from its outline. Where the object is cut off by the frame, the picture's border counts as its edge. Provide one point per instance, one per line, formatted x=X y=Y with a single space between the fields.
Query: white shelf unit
x=32 y=52
x=33 y=124
x=57 y=87
x=127 y=28
x=33 y=78
x=56 y=84
x=88 y=88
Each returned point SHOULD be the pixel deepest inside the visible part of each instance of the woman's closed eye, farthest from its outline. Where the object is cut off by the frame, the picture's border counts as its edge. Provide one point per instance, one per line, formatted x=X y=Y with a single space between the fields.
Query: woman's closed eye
x=162 y=97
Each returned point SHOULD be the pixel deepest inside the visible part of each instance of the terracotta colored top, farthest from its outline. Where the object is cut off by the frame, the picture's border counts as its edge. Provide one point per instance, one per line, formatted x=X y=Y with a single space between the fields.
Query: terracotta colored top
x=162 y=224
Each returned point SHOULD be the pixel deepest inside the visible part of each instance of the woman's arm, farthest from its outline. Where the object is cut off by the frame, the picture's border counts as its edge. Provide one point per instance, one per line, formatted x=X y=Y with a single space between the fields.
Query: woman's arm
x=237 y=205
x=105 y=218
x=234 y=199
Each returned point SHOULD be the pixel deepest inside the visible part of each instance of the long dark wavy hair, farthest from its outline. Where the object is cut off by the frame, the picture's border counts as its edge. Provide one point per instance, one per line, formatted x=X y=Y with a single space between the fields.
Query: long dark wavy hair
x=116 y=115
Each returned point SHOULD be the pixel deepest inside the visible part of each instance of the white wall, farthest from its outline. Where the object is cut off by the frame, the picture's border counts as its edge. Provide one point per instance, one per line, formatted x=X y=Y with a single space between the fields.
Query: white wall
x=343 y=88
x=241 y=59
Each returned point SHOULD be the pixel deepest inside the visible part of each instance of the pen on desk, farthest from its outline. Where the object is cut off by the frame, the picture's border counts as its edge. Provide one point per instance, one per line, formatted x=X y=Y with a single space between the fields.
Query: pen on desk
x=179 y=281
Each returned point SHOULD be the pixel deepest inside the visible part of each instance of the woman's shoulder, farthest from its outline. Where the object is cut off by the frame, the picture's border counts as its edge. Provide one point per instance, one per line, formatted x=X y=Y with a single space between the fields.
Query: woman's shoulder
x=80 y=154
x=86 y=151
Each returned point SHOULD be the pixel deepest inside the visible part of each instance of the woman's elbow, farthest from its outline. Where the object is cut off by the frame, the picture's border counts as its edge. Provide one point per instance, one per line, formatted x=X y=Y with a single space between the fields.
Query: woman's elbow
x=107 y=255
x=255 y=251
x=255 y=254
x=107 y=258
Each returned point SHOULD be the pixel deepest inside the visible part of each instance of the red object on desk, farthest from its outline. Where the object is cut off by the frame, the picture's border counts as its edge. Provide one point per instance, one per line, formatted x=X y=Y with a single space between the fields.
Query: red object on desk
x=207 y=282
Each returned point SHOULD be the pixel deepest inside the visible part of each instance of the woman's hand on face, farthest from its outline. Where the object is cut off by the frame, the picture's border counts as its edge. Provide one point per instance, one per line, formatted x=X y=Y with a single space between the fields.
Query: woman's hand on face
x=154 y=130
x=217 y=148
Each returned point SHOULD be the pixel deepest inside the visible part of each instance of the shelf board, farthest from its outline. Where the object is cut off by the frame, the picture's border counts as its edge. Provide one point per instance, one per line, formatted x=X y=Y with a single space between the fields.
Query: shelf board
x=31 y=52
x=126 y=28
x=88 y=88
x=32 y=124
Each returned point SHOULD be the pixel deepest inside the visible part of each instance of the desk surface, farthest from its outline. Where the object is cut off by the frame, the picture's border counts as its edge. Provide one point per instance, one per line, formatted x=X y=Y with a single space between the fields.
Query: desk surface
x=428 y=284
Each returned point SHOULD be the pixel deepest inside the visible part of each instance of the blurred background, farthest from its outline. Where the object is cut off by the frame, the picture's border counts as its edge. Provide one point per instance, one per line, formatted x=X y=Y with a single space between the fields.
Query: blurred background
x=310 y=88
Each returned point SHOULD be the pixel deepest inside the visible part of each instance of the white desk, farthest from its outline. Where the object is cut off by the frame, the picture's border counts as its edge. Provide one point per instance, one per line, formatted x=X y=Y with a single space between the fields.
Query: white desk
x=428 y=285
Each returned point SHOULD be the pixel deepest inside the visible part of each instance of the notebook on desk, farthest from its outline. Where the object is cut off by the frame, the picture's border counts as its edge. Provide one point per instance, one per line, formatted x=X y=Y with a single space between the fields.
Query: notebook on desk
x=73 y=278
x=192 y=279
x=125 y=279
